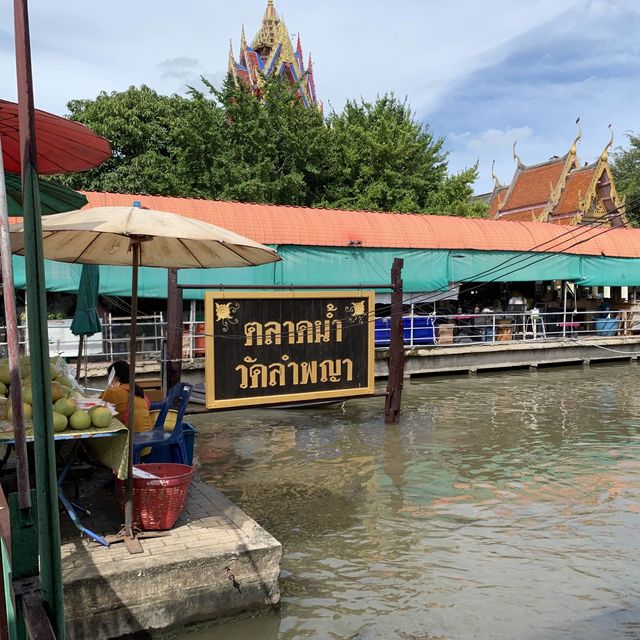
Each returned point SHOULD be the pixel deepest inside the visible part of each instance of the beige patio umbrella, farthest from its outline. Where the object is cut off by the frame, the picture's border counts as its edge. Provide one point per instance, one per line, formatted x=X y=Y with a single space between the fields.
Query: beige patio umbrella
x=135 y=237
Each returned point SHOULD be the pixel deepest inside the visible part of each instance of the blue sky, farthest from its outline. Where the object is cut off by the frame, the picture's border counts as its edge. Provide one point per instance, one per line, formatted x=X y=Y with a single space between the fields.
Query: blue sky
x=482 y=73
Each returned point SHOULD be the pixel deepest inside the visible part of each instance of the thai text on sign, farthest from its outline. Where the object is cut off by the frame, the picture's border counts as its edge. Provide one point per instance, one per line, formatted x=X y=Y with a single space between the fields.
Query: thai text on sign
x=271 y=348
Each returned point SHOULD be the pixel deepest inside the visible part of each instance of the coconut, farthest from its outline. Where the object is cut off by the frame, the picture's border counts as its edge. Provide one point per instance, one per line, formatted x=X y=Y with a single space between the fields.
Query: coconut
x=4 y=391
x=27 y=395
x=60 y=421
x=100 y=417
x=66 y=406
x=58 y=391
x=80 y=420
x=26 y=411
x=5 y=374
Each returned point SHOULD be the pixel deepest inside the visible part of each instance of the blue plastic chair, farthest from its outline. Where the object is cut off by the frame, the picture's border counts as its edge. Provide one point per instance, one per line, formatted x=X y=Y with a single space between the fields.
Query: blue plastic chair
x=158 y=437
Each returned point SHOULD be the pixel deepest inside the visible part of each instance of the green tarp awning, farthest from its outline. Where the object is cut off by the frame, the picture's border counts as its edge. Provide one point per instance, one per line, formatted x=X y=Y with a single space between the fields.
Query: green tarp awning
x=424 y=270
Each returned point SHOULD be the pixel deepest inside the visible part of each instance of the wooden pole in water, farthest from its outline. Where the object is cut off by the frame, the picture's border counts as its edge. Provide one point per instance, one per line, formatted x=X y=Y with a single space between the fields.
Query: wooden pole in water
x=173 y=351
x=396 y=347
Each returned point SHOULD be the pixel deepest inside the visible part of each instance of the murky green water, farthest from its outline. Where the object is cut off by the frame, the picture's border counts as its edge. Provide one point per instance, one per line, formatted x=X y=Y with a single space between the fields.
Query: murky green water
x=504 y=506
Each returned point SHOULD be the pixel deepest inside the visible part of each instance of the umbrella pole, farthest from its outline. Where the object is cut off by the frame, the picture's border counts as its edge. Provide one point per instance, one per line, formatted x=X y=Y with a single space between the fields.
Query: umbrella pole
x=128 y=508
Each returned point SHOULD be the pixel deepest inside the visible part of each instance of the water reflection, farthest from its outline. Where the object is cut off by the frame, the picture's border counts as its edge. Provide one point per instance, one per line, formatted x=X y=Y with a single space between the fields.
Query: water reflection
x=503 y=506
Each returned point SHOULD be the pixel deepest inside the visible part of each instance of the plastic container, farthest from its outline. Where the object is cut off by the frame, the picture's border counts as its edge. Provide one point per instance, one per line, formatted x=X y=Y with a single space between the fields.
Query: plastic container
x=158 y=502
x=163 y=454
x=607 y=326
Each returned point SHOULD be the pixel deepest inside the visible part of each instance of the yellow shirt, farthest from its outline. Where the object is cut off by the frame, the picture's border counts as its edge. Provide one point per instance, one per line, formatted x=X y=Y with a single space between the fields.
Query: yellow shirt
x=119 y=396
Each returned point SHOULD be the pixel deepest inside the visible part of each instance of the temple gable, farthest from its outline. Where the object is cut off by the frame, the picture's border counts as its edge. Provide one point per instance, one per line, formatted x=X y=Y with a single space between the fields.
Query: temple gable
x=560 y=191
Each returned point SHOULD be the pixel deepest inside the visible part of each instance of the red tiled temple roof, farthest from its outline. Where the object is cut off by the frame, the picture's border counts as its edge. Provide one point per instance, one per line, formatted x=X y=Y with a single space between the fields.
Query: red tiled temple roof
x=533 y=185
x=283 y=225
x=576 y=186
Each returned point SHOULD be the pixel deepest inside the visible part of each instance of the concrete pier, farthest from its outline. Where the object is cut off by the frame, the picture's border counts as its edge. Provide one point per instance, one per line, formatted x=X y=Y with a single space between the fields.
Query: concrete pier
x=178 y=580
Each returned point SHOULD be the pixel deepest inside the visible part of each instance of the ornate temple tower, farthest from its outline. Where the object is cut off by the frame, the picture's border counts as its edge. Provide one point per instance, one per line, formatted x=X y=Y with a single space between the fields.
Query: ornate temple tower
x=272 y=54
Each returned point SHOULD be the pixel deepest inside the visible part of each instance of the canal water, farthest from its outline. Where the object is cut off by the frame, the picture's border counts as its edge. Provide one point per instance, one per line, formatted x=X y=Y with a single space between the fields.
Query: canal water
x=503 y=506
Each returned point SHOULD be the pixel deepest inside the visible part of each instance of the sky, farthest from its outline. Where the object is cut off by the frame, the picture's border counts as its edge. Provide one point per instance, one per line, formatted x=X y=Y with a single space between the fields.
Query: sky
x=480 y=73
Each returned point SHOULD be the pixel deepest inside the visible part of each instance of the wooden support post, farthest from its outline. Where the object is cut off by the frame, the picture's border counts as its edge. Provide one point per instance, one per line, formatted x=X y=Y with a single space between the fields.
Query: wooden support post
x=396 y=348
x=173 y=351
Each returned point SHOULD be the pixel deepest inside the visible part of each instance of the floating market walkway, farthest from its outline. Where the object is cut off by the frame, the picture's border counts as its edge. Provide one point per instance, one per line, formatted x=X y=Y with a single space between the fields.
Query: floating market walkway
x=216 y=562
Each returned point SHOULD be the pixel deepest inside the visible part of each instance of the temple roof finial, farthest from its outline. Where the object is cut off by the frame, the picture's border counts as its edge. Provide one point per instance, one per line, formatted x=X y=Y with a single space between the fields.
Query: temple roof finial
x=604 y=156
x=497 y=183
x=574 y=147
x=243 y=39
x=516 y=157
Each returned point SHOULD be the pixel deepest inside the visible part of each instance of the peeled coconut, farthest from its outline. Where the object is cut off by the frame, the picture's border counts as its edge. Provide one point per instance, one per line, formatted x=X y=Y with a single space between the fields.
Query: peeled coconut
x=100 y=417
x=66 y=406
x=60 y=421
x=26 y=410
x=80 y=420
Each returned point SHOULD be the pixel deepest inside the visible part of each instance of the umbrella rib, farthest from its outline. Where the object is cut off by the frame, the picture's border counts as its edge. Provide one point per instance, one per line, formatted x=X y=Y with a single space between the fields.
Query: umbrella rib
x=77 y=260
x=230 y=248
x=191 y=252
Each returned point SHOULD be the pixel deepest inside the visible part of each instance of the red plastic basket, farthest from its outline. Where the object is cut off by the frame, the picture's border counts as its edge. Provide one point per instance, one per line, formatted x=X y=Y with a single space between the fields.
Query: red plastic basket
x=158 y=503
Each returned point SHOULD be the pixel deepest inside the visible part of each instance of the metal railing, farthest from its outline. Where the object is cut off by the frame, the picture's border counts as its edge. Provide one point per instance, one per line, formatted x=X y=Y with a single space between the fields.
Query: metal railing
x=419 y=330
x=500 y=326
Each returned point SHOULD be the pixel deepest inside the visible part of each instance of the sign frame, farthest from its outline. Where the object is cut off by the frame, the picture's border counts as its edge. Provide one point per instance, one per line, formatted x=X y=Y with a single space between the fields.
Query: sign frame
x=286 y=398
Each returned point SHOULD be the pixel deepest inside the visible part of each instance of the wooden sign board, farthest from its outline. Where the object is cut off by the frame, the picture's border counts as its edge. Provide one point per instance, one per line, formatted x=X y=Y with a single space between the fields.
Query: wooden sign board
x=273 y=348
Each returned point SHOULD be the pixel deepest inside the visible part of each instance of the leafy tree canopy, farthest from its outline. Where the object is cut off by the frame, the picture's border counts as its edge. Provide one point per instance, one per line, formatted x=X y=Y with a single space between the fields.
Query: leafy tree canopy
x=626 y=171
x=229 y=144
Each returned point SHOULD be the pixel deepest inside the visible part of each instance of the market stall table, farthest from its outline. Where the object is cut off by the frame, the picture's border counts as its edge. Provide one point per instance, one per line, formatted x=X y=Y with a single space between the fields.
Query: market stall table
x=113 y=455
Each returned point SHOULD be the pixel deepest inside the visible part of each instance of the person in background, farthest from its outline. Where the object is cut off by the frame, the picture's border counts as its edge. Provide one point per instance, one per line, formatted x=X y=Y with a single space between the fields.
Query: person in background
x=517 y=298
x=117 y=393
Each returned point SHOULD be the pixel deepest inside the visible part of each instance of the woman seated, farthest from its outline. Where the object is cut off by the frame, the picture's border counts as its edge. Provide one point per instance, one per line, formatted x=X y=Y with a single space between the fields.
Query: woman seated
x=117 y=393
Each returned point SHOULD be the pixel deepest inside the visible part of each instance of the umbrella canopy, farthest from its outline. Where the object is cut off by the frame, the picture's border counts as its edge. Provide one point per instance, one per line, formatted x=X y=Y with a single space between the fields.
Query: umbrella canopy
x=103 y=235
x=54 y=197
x=62 y=146
x=86 y=321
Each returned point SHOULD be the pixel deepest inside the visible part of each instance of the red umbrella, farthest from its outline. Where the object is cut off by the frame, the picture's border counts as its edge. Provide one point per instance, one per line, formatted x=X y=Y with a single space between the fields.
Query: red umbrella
x=63 y=146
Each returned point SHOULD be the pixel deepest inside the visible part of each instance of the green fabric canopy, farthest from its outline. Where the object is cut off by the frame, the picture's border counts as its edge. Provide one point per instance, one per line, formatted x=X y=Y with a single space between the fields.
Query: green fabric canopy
x=86 y=321
x=424 y=270
x=54 y=197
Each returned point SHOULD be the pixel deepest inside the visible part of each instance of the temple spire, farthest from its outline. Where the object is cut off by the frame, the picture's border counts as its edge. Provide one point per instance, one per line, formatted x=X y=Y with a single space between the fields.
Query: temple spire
x=273 y=52
x=232 y=61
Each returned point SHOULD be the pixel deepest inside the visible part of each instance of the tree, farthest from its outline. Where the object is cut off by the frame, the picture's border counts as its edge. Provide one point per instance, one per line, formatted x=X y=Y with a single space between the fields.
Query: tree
x=273 y=149
x=386 y=160
x=141 y=126
x=626 y=172
x=230 y=144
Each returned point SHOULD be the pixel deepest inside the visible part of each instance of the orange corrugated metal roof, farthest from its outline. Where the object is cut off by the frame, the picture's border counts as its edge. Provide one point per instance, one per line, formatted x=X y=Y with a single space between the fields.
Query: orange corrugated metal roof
x=577 y=185
x=533 y=185
x=280 y=225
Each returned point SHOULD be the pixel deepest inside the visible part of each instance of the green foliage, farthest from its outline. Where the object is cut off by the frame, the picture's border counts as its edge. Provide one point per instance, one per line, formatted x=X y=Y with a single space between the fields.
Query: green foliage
x=626 y=172
x=229 y=144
